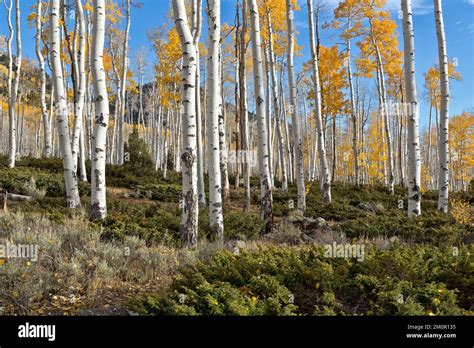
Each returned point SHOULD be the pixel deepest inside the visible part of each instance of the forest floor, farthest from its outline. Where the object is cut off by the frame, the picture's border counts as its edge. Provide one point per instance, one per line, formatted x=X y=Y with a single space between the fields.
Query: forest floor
x=133 y=263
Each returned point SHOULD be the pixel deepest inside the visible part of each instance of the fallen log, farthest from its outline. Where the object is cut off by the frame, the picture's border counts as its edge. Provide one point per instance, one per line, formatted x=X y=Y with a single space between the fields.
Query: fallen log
x=19 y=198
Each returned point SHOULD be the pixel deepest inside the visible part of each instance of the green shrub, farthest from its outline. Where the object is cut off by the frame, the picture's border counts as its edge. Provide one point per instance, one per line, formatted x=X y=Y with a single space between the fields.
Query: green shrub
x=284 y=281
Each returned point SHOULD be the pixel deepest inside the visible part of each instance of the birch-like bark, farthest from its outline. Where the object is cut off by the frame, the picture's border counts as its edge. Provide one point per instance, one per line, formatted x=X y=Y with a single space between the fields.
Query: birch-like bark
x=222 y=136
x=101 y=117
x=263 y=165
x=414 y=157
x=12 y=151
x=80 y=84
x=295 y=126
x=62 y=112
x=325 y=177
x=212 y=118
x=11 y=102
x=123 y=88
x=244 y=130
x=443 y=142
x=384 y=113
x=189 y=227
x=44 y=108
x=197 y=27
x=276 y=109
x=355 y=128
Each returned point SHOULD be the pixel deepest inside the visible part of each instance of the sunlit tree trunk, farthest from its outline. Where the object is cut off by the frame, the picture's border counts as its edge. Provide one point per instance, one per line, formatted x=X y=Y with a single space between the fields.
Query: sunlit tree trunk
x=222 y=136
x=355 y=128
x=11 y=104
x=212 y=118
x=72 y=192
x=101 y=117
x=443 y=142
x=263 y=165
x=80 y=84
x=123 y=88
x=44 y=108
x=384 y=113
x=189 y=227
x=295 y=123
x=197 y=27
x=276 y=109
x=325 y=177
x=414 y=157
x=244 y=130
x=12 y=151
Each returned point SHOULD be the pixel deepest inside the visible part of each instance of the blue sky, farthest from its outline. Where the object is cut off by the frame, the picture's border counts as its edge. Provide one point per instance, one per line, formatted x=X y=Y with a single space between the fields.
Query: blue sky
x=459 y=23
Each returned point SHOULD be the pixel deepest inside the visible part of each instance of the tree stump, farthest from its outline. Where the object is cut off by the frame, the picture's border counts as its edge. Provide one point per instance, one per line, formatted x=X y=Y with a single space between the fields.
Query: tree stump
x=3 y=201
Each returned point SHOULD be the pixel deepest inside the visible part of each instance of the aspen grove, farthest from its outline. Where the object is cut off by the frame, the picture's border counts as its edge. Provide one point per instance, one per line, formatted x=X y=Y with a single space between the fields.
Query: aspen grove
x=238 y=121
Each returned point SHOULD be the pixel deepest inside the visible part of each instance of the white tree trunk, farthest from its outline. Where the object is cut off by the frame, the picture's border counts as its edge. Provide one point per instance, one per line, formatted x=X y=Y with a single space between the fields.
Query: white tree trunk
x=101 y=117
x=325 y=177
x=44 y=108
x=297 y=138
x=11 y=102
x=72 y=192
x=189 y=227
x=443 y=142
x=123 y=88
x=197 y=26
x=276 y=109
x=354 y=117
x=263 y=165
x=244 y=130
x=222 y=135
x=212 y=118
x=80 y=84
x=12 y=153
x=384 y=113
x=414 y=157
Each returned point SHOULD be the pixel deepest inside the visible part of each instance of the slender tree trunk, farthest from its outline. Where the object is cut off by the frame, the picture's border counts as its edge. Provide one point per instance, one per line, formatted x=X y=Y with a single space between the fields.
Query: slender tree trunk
x=222 y=136
x=80 y=84
x=414 y=157
x=197 y=26
x=276 y=109
x=189 y=227
x=11 y=101
x=265 y=182
x=355 y=139
x=16 y=84
x=295 y=123
x=244 y=130
x=101 y=118
x=213 y=115
x=383 y=110
x=443 y=143
x=123 y=88
x=44 y=108
x=72 y=192
x=325 y=177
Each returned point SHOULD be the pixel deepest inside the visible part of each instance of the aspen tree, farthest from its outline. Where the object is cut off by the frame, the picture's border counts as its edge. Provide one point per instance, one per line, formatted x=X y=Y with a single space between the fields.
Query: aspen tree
x=443 y=143
x=189 y=226
x=123 y=88
x=263 y=165
x=325 y=177
x=101 y=117
x=295 y=124
x=62 y=112
x=212 y=118
x=44 y=109
x=414 y=157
